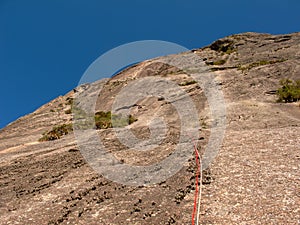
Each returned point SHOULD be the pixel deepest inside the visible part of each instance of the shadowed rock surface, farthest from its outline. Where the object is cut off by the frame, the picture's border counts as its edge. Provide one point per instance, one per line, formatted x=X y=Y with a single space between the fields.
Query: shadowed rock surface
x=255 y=179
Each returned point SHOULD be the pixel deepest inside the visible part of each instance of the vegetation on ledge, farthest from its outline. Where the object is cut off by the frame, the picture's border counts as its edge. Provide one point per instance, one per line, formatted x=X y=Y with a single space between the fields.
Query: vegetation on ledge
x=226 y=46
x=259 y=63
x=186 y=83
x=104 y=120
x=57 y=132
x=289 y=91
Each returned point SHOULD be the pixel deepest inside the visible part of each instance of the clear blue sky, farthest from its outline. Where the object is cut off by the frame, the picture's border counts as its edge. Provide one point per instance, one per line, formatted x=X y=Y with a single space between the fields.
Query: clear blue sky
x=46 y=45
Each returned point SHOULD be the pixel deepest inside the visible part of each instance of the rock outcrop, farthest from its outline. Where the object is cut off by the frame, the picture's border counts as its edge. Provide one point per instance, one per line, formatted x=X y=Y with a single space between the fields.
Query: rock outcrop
x=253 y=180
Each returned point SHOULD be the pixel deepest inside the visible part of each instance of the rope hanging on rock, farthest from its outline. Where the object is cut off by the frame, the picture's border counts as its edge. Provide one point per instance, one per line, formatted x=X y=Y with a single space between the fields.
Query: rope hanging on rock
x=198 y=191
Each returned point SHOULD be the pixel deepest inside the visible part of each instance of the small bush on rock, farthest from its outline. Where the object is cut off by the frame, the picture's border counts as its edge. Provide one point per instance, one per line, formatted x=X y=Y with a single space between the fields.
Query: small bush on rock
x=289 y=91
x=104 y=120
x=57 y=132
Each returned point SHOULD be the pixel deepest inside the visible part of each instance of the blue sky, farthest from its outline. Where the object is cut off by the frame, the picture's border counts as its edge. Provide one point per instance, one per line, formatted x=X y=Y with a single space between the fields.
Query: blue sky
x=45 y=46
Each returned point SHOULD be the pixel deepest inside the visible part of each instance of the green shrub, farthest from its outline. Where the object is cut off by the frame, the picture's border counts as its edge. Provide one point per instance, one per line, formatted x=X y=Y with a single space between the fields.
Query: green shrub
x=82 y=119
x=57 y=132
x=104 y=120
x=225 y=46
x=259 y=63
x=289 y=91
x=186 y=83
x=78 y=113
x=219 y=62
x=101 y=119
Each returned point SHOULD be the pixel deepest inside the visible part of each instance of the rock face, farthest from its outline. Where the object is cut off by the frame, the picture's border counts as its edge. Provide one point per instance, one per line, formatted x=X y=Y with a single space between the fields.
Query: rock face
x=253 y=180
